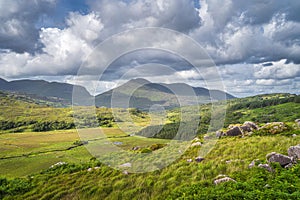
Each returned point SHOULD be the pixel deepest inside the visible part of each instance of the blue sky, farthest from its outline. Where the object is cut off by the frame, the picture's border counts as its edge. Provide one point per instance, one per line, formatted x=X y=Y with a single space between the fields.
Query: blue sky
x=255 y=44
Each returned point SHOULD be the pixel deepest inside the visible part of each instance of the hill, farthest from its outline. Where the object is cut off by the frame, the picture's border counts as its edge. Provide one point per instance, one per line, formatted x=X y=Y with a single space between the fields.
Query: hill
x=40 y=88
x=142 y=94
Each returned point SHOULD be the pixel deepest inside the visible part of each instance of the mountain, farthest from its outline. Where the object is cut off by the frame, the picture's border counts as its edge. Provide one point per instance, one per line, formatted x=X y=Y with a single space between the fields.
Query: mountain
x=143 y=94
x=41 y=88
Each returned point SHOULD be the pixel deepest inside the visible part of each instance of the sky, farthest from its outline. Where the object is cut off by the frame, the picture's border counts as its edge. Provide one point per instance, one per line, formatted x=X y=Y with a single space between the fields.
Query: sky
x=255 y=45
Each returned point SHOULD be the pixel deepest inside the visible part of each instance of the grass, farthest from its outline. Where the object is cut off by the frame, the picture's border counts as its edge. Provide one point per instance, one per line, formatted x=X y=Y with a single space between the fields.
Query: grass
x=107 y=183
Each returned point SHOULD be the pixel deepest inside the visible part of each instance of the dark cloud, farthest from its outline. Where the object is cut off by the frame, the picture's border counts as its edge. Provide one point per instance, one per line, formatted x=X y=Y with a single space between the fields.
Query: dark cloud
x=18 y=20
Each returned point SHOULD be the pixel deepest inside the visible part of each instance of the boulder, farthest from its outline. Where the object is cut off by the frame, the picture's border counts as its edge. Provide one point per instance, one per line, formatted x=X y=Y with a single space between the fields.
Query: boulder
x=281 y=159
x=294 y=151
x=251 y=125
x=199 y=159
x=245 y=129
x=235 y=131
x=265 y=166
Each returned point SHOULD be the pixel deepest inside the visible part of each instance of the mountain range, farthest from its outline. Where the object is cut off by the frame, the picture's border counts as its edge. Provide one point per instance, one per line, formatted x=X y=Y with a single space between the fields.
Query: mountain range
x=137 y=93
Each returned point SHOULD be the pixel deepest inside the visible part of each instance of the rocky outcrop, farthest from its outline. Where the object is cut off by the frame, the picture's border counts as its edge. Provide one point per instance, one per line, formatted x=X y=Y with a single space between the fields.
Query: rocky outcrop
x=234 y=131
x=294 y=152
x=283 y=160
x=274 y=127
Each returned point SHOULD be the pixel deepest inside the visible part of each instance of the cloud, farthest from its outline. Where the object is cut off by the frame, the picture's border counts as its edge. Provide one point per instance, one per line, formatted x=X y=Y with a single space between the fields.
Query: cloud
x=278 y=70
x=180 y=15
x=63 y=49
x=249 y=31
x=18 y=19
x=255 y=44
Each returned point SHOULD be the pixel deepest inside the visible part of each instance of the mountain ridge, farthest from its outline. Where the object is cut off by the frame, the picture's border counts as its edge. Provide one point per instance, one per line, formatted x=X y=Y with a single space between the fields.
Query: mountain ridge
x=140 y=93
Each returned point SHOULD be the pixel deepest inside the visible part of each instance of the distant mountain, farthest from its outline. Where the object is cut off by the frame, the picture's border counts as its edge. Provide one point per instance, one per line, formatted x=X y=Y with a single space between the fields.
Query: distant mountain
x=137 y=93
x=141 y=93
x=41 y=88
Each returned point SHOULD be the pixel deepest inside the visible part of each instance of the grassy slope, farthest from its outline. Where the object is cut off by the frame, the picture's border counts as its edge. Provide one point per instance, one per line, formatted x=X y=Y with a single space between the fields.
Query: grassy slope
x=75 y=182
x=106 y=183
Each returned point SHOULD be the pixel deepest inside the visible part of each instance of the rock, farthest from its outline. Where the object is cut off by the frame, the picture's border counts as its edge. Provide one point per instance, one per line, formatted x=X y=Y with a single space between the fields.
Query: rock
x=228 y=161
x=254 y=163
x=135 y=148
x=199 y=159
x=126 y=165
x=89 y=169
x=58 y=164
x=294 y=135
x=245 y=129
x=125 y=172
x=218 y=180
x=235 y=131
x=219 y=134
x=281 y=159
x=297 y=122
x=289 y=166
x=189 y=160
x=274 y=127
x=294 y=151
x=251 y=125
x=196 y=144
x=265 y=166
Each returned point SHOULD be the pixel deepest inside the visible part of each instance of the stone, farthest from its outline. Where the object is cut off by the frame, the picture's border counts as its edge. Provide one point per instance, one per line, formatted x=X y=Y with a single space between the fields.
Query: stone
x=189 y=160
x=89 y=169
x=252 y=125
x=289 y=166
x=135 y=148
x=219 y=134
x=294 y=135
x=235 y=131
x=265 y=166
x=283 y=160
x=223 y=180
x=245 y=128
x=294 y=151
x=254 y=163
x=196 y=144
x=297 y=121
x=126 y=165
x=199 y=159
